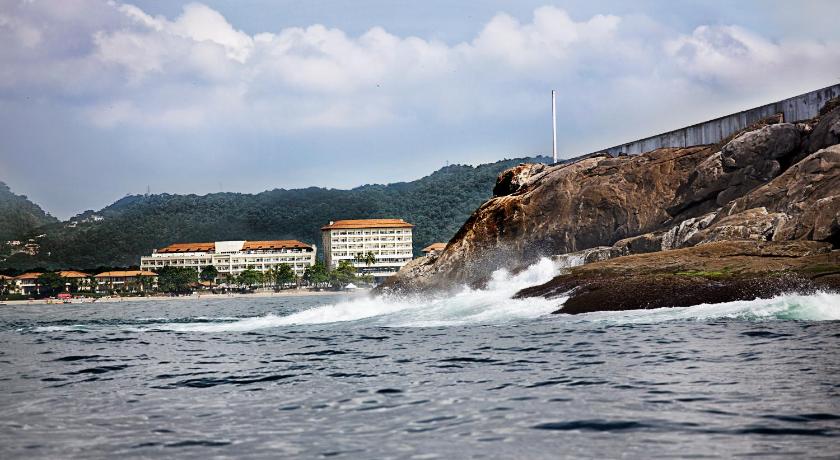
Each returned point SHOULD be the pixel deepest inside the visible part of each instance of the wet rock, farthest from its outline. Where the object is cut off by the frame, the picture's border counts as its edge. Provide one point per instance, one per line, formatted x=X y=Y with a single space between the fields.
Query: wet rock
x=586 y=256
x=709 y=273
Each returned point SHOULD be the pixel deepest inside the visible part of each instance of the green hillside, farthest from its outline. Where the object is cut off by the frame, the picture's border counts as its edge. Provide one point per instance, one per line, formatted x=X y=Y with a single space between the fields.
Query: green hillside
x=119 y=234
x=19 y=217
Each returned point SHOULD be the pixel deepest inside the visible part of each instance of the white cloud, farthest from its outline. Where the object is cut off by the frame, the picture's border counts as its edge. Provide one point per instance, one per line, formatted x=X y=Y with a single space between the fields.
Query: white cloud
x=197 y=69
x=200 y=23
x=551 y=37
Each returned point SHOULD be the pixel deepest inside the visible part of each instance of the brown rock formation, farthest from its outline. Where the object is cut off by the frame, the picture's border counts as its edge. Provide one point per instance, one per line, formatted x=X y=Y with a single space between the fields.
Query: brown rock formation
x=710 y=273
x=763 y=185
x=594 y=202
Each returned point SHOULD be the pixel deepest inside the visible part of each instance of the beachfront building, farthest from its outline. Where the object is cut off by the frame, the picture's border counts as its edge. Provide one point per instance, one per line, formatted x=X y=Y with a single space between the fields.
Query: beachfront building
x=27 y=283
x=434 y=249
x=389 y=240
x=126 y=281
x=233 y=257
x=75 y=281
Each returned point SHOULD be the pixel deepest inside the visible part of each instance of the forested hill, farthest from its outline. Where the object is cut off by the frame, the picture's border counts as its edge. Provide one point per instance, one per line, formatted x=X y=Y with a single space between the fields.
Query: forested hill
x=19 y=216
x=119 y=234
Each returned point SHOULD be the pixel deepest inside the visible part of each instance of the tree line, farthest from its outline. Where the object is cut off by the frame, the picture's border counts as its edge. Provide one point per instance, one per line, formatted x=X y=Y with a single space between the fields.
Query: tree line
x=185 y=280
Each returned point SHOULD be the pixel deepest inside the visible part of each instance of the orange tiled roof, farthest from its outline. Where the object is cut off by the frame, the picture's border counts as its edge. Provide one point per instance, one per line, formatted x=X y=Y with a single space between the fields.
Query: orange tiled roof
x=4 y=277
x=368 y=223
x=28 y=276
x=125 y=274
x=72 y=274
x=189 y=247
x=275 y=244
x=248 y=246
x=435 y=247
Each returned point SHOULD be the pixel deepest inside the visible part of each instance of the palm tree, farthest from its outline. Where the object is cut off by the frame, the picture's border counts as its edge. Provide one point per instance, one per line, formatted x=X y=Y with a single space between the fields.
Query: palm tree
x=271 y=277
x=370 y=258
x=209 y=273
x=367 y=259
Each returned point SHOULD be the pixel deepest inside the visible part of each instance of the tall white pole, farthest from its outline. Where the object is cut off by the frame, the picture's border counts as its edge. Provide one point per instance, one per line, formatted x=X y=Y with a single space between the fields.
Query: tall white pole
x=554 y=126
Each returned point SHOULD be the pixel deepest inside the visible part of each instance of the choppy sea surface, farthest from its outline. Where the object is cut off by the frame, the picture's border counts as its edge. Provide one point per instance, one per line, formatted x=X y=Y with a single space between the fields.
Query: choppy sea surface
x=473 y=375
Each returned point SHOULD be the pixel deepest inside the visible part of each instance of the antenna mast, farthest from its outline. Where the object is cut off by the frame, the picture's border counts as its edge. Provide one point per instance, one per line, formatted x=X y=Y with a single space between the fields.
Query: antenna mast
x=553 y=126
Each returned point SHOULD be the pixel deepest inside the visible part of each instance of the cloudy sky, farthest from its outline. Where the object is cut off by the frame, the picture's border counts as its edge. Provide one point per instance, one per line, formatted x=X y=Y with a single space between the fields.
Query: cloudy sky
x=99 y=99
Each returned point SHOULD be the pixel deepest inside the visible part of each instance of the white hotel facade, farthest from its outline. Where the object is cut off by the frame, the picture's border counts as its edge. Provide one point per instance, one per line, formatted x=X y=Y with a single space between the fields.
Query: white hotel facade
x=390 y=241
x=233 y=257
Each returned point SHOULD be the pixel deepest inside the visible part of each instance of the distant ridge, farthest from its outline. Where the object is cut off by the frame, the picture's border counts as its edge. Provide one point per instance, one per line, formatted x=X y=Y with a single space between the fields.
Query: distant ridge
x=19 y=216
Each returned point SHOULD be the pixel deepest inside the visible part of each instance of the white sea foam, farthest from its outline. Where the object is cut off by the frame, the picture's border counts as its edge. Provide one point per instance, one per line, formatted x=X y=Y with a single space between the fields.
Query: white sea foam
x=494 y=305
x=75 y=327
x=820 y=306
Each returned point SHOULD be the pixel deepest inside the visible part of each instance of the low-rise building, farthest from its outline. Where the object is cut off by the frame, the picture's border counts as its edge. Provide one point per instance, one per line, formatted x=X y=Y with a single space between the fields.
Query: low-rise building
x=126 y=281
x=388 y=240
x=234 y=257
x=434 y=249
x=73 y=280
x=27 y=283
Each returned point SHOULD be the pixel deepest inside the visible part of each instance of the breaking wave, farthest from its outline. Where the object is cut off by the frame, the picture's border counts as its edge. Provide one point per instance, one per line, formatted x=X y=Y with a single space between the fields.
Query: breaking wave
x=820 y=306
x=492 y=305
x=489 y=306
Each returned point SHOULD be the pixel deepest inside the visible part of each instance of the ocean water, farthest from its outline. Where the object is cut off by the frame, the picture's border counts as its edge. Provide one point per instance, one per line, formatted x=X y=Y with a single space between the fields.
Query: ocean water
x=471 y=375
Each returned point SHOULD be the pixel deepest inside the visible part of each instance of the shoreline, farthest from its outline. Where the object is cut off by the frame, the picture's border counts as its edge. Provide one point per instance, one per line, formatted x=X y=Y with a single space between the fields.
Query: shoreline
x=285 y=293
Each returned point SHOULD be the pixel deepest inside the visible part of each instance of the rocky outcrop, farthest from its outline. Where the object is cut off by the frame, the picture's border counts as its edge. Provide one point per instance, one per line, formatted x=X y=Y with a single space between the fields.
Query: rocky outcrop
x=805 y=199
x=710 y=273
x=753 y=224
x=763 y=185
x=565 y=208
x=826 y=129
x=747 y=161
x=649 y=242
x=511 y=180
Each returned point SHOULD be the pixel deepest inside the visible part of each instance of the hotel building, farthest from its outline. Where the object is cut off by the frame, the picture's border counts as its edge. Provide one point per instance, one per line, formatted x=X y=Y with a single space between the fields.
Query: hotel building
x=80 y=280
x=27 y=283
x=233 y=257
x=126 y=281
x=388 y=239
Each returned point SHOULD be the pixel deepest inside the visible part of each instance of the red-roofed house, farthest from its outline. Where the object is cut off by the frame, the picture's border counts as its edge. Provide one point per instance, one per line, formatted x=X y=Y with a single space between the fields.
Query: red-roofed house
x=27 y=283
x=233 y=257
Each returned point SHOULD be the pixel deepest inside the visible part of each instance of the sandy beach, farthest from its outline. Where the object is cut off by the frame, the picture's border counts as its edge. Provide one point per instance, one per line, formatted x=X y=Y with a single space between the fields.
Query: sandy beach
x=195 y=296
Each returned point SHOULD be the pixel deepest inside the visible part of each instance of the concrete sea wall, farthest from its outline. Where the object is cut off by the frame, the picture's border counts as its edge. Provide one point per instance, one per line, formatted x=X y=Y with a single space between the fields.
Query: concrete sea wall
x=793 y=109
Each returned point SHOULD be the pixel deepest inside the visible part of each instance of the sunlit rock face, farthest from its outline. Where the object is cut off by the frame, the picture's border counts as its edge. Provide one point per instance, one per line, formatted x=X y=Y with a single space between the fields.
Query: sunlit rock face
x=760 y=185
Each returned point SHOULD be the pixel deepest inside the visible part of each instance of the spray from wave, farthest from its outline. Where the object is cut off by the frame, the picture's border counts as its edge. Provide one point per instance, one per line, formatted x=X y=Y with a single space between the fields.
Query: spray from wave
x=820 y=306
x=490 y=306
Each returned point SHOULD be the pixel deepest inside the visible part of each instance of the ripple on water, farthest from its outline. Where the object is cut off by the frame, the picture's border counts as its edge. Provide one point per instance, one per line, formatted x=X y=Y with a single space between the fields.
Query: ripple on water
x=593 y=425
